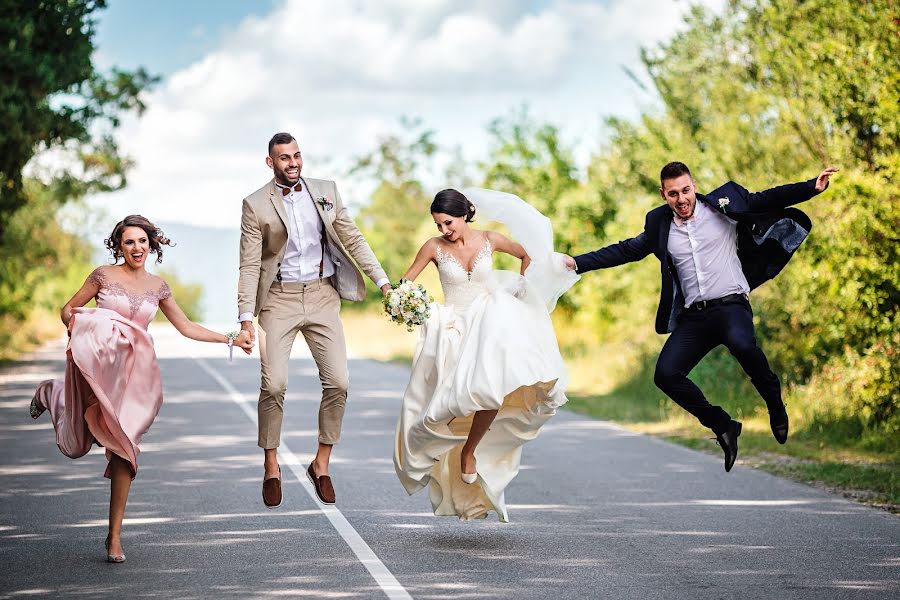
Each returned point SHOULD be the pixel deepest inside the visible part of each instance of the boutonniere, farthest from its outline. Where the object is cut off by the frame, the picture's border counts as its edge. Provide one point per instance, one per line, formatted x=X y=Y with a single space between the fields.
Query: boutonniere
x=723 y=202
x=325 y=203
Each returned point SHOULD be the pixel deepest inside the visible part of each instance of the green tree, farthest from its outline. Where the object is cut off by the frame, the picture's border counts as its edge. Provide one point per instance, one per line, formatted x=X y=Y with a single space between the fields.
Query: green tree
x=52 y=97
x=53 y=103
x=771 y=91
x=529 y=159
x=399 y=205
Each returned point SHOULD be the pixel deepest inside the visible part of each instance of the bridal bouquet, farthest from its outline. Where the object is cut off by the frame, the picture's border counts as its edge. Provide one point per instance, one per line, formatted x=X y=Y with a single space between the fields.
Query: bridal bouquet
x=408 y=304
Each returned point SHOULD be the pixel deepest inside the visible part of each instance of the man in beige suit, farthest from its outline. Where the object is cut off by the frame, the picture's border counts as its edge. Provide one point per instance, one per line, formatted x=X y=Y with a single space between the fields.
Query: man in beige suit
x=296 y=242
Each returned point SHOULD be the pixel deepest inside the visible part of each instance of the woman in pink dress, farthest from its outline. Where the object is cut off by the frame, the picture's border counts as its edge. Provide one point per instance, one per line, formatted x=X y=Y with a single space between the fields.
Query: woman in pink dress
x=112 y=393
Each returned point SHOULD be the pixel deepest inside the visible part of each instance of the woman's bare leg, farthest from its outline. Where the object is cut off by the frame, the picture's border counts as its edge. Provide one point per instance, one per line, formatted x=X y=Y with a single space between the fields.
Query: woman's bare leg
x=120 y=484
x=481 y=422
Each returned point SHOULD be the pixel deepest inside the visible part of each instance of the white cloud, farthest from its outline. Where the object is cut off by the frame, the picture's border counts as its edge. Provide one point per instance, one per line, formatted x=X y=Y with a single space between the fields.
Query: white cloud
x=337 y=74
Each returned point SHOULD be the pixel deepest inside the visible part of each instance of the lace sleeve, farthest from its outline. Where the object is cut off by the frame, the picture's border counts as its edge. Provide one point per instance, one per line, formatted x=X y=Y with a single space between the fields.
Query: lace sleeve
x=97 y=277
x=164 y=291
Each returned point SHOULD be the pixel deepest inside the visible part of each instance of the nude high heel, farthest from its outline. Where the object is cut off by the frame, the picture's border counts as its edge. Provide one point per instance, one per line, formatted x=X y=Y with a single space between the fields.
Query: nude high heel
x=113 y=558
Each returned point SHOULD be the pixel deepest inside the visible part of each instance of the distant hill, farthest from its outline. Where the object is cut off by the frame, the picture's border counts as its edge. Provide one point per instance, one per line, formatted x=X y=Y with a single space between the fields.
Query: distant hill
x=207 y=256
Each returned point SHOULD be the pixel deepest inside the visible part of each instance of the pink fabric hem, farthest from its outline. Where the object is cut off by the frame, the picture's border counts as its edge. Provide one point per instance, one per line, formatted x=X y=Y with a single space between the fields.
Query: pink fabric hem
x=112 y=390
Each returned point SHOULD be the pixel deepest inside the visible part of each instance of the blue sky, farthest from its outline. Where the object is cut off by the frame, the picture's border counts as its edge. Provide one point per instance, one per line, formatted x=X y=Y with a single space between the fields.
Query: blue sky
x=339 y=74
x=166 y=35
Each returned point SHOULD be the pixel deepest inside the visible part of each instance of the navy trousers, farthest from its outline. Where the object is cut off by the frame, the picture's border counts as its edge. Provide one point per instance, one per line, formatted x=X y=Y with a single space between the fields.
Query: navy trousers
x=698 y=333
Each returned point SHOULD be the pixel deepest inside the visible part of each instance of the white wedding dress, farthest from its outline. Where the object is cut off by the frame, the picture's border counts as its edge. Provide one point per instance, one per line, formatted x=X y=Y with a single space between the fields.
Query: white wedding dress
x=490 y=346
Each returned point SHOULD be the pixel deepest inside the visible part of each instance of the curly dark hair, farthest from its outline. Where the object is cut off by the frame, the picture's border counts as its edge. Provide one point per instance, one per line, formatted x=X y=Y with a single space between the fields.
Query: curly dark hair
x=154 y=235
x=453 y=203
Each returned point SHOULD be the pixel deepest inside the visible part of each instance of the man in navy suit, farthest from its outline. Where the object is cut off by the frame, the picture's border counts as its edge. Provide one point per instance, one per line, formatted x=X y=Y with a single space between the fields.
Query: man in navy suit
x=712 y=253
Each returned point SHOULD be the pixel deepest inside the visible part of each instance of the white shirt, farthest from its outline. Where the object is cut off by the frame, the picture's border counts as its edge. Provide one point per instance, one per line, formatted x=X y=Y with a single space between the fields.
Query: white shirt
x=304 y=246
x=704 y=250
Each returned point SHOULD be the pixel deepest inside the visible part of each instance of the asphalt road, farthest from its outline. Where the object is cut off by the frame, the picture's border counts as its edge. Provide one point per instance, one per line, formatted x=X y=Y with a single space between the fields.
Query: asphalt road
x=597 y=512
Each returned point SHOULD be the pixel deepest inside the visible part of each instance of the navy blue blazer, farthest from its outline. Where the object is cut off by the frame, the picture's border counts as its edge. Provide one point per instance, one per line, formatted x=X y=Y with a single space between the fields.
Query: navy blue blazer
x=768 y=233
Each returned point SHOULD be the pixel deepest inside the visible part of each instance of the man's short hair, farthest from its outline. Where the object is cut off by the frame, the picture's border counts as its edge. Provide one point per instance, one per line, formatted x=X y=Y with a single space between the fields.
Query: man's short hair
x=673 y=170
x=280 y=138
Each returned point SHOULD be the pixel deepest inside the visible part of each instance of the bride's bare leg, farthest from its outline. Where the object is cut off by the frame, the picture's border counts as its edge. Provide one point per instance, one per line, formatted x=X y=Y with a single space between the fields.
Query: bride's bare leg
x=480 y=424
x=120 y=484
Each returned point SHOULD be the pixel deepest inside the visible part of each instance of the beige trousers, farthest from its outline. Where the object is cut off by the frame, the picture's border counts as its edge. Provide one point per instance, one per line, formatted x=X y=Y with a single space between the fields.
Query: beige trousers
x=312 y=309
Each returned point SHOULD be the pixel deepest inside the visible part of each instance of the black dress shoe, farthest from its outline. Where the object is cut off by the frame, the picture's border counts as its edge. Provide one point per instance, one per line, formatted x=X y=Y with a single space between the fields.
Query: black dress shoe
x=778 y=419
x=728 y=440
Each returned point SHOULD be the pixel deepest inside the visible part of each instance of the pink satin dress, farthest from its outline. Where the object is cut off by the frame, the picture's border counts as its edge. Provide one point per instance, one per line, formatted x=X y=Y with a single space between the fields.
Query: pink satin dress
x=112 y=391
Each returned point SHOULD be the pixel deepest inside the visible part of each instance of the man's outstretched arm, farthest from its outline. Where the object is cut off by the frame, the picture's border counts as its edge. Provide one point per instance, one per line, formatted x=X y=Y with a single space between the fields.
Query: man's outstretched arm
x=793 y=193
x=626 y=251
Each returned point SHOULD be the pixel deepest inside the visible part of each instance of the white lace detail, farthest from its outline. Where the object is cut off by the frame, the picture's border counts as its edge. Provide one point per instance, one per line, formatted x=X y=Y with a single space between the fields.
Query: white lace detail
x=462 y=286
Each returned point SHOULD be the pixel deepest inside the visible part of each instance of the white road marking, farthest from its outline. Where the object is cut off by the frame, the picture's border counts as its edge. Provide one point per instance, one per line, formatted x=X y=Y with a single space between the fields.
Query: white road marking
x=383 y=577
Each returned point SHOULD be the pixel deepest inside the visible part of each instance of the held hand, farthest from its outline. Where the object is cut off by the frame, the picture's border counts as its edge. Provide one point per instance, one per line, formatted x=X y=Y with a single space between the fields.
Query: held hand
x=385 y=289
x=248 y=327
x=822 y=179
x=244 y=342
x=569 y=261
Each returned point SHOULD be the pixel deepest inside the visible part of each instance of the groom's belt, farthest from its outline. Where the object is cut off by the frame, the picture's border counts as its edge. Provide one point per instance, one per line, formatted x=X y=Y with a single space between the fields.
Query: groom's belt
x=704 y=304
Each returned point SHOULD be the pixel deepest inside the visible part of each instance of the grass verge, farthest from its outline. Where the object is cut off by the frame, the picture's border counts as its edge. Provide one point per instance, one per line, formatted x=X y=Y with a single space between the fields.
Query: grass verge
x=20 y=336
x=865 y=467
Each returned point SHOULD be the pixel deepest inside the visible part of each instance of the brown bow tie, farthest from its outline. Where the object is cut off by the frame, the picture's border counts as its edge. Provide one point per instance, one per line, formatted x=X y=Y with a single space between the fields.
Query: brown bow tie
x=287 y=190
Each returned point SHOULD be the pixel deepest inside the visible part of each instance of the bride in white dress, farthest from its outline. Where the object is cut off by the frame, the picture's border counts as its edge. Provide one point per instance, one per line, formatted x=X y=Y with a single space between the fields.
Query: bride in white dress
x=487 y=372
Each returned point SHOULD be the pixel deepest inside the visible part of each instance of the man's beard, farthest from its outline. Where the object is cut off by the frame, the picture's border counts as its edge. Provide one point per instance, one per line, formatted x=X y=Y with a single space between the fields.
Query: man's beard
x=283 y=179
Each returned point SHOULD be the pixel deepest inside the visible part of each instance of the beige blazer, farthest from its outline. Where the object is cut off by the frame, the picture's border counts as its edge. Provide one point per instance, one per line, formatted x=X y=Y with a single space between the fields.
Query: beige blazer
x=264 y=237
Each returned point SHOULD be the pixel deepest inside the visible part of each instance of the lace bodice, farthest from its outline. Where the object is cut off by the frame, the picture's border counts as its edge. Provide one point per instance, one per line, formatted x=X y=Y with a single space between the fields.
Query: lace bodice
x=461 y=286
x=139 y=307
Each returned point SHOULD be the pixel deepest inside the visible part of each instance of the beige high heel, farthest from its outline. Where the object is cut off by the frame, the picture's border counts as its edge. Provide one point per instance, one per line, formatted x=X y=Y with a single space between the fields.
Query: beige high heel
x=113 y=558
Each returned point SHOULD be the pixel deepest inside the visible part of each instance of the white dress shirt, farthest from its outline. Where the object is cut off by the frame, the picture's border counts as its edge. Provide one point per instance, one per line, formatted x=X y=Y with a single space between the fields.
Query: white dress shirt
x=704 y=249
x=304 y=246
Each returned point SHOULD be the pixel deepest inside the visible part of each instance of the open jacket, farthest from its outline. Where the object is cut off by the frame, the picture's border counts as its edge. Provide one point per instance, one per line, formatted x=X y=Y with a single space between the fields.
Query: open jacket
x=264 y=237
x=768 y=233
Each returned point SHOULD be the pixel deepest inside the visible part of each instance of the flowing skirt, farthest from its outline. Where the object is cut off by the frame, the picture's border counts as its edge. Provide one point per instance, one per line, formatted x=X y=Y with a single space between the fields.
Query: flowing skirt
x=112 y=391
x=499 y=353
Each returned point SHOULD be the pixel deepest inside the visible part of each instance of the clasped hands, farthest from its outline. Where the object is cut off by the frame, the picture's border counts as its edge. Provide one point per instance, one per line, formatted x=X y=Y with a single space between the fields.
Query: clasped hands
x=246 y=339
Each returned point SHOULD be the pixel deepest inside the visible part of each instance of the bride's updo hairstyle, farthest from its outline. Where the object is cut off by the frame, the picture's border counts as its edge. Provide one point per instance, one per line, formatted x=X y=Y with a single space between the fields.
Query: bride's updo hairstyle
x=453 y=203
x=155 y=237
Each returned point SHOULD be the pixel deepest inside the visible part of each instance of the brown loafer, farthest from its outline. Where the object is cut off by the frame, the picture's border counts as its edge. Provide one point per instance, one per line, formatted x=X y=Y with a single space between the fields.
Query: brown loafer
x=324 y=489
x=271 y=491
